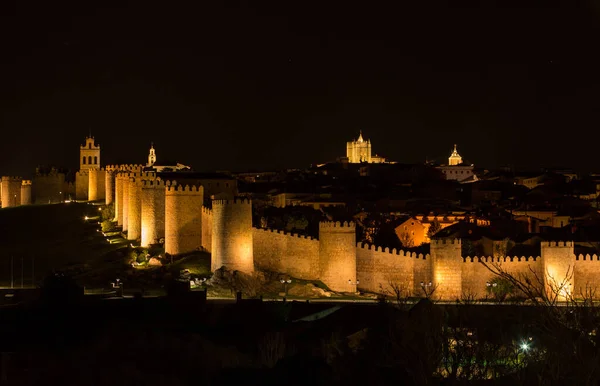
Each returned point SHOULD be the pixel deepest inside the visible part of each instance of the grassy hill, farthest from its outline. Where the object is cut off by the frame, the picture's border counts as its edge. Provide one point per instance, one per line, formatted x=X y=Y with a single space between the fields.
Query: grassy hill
x=44 y=238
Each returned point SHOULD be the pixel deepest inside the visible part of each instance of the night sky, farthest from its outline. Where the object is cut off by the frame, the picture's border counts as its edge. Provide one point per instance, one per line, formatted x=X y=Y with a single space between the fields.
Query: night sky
x=266 y=85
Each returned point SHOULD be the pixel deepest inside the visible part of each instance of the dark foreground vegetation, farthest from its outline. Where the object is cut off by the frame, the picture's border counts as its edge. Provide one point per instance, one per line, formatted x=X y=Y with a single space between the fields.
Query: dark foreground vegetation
x=63 y=337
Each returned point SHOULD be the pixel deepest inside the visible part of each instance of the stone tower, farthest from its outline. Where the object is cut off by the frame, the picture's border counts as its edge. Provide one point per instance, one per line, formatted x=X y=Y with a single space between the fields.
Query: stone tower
x=359 y=150
x=26 y=192
x=558 y=259
x=109 y=185
x=447 y=263
x=11 y=191
x=97 y=184
x=89 y=154
x=455 y=158
x=231 y=245
x=183 y=218
x=153 y=211
x=119 y=197
x=337 y=255
x=134 y=208
x=151 y=156
x=125 y=210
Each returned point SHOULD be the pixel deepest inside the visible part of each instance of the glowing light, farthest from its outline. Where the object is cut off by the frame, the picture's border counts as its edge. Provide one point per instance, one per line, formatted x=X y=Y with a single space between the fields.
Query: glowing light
x=85 y=218
x=524 y=346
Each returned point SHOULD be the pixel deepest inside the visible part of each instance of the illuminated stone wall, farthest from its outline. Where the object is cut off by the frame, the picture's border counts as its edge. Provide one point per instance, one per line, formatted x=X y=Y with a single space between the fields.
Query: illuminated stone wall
x=337 y=255
x=26 y=192
x=153 y=211
x=232 y=235
x=11 y=191
x=50 y=188
x=82 y=185
x=586 y=274
x=134 y=207
x=379 y=270
x=183 y=218
x=293 y=254
x=476 y=275
x=207 y=220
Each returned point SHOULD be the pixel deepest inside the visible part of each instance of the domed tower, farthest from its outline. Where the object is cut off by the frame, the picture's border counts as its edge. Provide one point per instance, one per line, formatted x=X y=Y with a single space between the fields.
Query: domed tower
x=337 y=255
x=153 y=211
x=231 y=245
x=26 y=192
x=455 y=158
x=183 y=218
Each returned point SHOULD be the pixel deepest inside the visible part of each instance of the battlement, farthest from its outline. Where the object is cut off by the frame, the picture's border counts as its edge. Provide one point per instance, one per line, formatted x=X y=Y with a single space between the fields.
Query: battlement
x=285 y=233
x=235 y=201
x=25 y=182
x=554 y=244
x=12 y=178
x=393 y=251
x=206 y=211
x=155 y=183
x=499 y=259
x=587 y=257
x=446 y=242
x=177 y=189
x=53 y=172
x=171 y=182
x=148 y=174
x=83 y=172
x=336 y=224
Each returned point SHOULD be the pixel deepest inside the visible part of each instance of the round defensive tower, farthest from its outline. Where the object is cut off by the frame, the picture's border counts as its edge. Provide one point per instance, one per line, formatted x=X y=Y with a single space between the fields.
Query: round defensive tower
x=119 y=197
x=134 y=208
x=337 y=255
x=183 y=218
x=125 y=188
x=93 y=184
x=153 y=211
x=232 y=235
x=26 y=192
x=109 y=186
x=11 y=191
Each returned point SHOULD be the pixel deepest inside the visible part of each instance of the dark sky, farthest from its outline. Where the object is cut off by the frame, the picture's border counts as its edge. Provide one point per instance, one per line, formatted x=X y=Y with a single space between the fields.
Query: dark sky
x=274 y=84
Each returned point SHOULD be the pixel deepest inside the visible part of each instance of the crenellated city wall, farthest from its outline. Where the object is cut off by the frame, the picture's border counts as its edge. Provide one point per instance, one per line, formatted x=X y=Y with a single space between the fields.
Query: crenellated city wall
x=380 y=269
x=279 y=251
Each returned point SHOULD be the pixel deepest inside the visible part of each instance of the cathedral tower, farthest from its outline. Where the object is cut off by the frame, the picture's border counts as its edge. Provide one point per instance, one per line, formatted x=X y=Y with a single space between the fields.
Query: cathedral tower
x=359 y=151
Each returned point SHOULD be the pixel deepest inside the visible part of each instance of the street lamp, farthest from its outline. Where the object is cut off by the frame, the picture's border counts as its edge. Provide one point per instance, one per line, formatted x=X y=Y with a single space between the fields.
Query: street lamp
x=285 y=283
x=427 y=288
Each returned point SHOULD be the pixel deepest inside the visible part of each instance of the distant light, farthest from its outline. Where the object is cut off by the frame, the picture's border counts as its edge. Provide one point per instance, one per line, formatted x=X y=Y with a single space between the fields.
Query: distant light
x=86 y=217
x=524 y=346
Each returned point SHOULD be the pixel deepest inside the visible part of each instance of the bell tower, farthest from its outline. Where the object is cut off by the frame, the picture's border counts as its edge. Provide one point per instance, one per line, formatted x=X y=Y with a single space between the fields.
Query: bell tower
x=152 y=155
x=89 y=154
